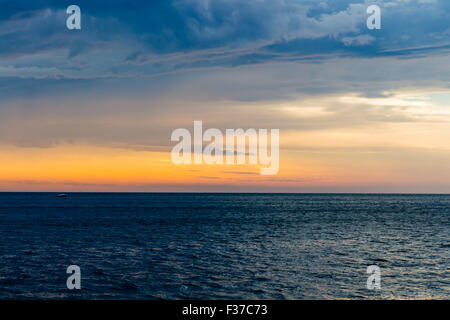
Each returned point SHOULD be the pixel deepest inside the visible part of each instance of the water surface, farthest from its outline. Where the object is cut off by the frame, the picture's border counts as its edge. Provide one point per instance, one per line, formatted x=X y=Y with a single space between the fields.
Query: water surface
x=224 y=246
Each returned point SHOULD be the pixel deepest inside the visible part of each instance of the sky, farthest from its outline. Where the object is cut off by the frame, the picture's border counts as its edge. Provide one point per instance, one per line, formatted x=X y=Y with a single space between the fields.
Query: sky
x=358 y=110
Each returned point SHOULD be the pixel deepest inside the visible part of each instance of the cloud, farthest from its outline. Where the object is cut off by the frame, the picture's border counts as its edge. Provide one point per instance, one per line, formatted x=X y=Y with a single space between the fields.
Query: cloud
x=142 y=38
x=136 y=71
x=360 y=40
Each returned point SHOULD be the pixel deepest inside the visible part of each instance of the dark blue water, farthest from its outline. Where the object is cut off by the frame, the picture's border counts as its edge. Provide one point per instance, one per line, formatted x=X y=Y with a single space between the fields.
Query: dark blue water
x=213 y=246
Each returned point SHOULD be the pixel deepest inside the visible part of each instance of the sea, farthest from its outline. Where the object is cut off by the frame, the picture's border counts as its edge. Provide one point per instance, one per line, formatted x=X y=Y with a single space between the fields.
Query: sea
x=224 y=246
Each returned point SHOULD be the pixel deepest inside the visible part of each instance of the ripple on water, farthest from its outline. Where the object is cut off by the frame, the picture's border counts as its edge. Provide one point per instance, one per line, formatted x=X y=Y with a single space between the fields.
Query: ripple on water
x=224 y=246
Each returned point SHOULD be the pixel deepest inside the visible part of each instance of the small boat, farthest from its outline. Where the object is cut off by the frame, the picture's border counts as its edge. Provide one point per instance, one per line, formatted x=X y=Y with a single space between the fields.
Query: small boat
x=61 y=195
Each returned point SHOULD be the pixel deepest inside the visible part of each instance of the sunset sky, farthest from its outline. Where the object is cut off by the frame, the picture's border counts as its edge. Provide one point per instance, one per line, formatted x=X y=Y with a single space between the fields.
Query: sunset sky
x=93 y=109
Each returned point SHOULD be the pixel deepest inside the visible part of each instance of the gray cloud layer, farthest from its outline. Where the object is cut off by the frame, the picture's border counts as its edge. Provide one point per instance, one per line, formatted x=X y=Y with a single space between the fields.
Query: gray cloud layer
x=151 y=63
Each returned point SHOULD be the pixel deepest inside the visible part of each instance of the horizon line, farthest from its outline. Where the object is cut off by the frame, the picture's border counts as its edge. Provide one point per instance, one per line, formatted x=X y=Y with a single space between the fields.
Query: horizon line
x=244 y=192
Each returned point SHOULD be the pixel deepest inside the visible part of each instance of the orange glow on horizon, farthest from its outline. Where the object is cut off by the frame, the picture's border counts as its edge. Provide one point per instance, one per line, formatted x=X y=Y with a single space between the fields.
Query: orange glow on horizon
x=77 y=167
